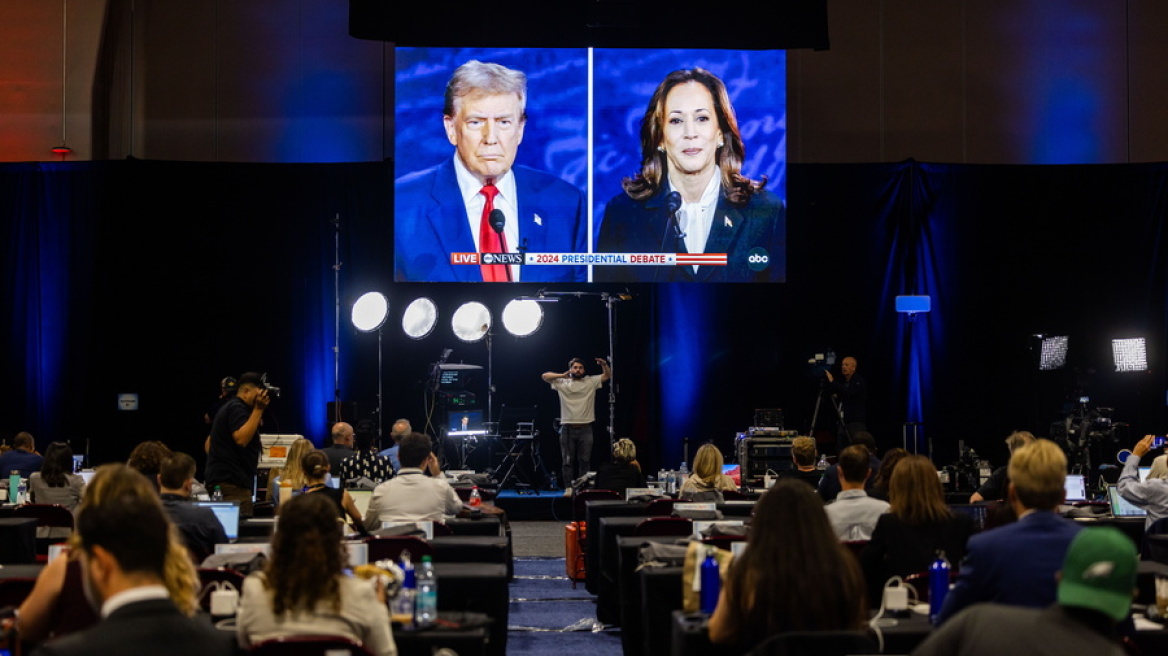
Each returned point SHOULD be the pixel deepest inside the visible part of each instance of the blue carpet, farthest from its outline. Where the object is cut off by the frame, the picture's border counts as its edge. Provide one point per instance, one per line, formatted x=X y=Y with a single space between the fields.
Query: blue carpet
x=549 y=616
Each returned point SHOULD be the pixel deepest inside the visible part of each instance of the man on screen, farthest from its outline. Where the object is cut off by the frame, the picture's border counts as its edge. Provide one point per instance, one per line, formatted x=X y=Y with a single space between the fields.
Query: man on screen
x=478 y=201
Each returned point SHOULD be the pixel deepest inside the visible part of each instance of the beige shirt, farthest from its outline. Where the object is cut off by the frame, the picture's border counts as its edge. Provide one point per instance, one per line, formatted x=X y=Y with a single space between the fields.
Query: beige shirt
x=362 y=618
x=577 y=398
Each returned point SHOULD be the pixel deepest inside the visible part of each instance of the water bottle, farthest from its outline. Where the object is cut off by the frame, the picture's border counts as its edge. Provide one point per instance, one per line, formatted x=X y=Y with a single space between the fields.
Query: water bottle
x=671 y=487
x=711 y=582
x=938 y=585
x=426 y=608
x=22 y=492
x=476 y=499
x=683 y=469
x=13 y=485
x=217 y=494
x=822 y=464
x=401 y=609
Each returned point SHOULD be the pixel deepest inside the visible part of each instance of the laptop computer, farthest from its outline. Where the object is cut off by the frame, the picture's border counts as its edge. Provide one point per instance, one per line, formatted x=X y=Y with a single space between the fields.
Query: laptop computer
x=227 y=512
x=1076 y=488
x=1121 y=507
x=361 y=499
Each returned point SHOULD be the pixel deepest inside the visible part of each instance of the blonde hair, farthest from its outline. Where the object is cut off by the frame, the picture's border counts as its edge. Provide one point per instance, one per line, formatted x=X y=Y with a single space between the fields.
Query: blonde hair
x=708 y=465
x=1018 y=439
x=1038 y=471
x=1159 y=468
x=624 y=450
x=803 y=450
x=112 y=482
x=293 y=471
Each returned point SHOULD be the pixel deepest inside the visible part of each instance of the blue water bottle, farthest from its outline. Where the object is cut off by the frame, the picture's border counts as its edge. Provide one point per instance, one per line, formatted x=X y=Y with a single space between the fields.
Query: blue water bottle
x=711 y=582
x=938 y=585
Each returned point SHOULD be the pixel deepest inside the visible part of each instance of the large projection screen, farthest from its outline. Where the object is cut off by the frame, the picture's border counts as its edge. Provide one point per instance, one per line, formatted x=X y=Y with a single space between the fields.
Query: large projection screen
x=578 y=193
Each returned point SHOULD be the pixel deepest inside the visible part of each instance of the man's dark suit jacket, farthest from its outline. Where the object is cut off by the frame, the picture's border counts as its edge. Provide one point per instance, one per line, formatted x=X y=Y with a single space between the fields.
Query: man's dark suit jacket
x=1013 y=564
x=430 y=223
x=145 y=628
x=632 y=226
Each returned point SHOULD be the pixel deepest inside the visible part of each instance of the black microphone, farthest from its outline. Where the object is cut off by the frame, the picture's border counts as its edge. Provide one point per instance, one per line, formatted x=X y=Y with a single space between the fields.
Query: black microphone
x=498 y=220
x=672 y=204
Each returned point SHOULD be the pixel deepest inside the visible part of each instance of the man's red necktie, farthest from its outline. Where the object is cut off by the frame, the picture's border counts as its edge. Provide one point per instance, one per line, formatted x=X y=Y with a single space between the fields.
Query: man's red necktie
x=491 y=241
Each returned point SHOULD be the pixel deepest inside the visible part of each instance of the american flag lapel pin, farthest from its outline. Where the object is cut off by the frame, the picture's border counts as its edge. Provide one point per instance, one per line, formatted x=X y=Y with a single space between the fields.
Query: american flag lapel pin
x=727 y=222
x=538 y=220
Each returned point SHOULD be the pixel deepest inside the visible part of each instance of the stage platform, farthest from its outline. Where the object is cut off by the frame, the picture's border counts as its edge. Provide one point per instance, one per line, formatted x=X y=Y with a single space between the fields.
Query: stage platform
x=529 y=507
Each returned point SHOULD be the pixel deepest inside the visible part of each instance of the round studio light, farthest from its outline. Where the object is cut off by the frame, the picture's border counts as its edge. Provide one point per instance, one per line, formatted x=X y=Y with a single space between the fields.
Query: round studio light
x=471 y=321
x=522 y=317
x=370 y=311
x=420 y=317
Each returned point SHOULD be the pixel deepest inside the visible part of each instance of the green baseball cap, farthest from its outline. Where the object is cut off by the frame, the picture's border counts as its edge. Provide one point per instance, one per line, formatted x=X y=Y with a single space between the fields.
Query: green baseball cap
x=1100 y=572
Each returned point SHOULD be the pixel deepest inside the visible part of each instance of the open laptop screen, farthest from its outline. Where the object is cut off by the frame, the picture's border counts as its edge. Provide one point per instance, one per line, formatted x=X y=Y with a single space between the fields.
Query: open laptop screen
x=1075 y=487
x=1121 y=507
x=227 y=512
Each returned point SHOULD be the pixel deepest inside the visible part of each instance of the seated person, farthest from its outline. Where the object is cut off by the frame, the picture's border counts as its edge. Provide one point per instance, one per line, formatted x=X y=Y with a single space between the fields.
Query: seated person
x=147 y=459
x=366 y=462
x=707 y=482
x=400 y=429
x=412 y=495
x=60 y=602
x=994 y=487
x=199 y=527
x=880 y=482
x=22 y=457
x=854 y=514
x=917 y=525
x=623 y=472
x=829 y=485
x=1015 y=564
x=290 y=477
x=1094 y=596
x=316 y=469
x=789 y=580
x=56 y=484
x=1152 y=494
x=803 y=453
x=303 y=590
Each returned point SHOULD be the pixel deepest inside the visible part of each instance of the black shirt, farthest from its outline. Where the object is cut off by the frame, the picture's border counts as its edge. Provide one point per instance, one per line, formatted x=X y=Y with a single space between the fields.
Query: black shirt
x=199 y=527
x=227 y=462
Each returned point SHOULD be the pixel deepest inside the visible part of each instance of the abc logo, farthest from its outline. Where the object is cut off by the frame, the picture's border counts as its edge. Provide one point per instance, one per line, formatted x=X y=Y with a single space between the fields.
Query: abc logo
x=758 y=259
x=488 y=258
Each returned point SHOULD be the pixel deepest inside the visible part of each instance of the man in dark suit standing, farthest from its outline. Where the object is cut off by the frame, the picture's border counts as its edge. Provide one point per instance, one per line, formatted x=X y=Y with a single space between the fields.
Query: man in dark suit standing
x=1015 y=564
x=123 y=553
x=477 y=201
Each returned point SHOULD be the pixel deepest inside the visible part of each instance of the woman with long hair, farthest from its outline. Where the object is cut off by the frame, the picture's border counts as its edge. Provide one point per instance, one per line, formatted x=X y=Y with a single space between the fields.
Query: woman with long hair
x=304 y=590
x=707 y=477
x=57 y=604
x=690 y=195
x=916 y=527
x=56 y=483
x=883 y=476
x=794 y=574
x=291 y=473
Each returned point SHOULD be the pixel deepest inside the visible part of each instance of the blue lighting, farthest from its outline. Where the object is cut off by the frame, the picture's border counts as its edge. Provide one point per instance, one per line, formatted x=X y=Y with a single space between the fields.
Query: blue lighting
x=684 y=313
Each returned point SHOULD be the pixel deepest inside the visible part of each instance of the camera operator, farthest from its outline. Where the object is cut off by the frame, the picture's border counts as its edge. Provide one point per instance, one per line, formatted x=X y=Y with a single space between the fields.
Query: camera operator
x=233 y=449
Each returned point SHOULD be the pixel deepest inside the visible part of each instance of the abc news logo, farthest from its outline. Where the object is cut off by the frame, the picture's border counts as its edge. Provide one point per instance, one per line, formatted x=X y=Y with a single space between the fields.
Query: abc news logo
x=486 y=258
x=758 y=259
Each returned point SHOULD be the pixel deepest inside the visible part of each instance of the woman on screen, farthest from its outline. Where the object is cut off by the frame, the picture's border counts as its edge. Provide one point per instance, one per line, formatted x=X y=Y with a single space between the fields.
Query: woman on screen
x=690 y=195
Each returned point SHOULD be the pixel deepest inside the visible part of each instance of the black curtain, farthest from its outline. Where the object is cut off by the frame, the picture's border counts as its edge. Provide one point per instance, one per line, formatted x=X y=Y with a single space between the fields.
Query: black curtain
x=159 y=278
